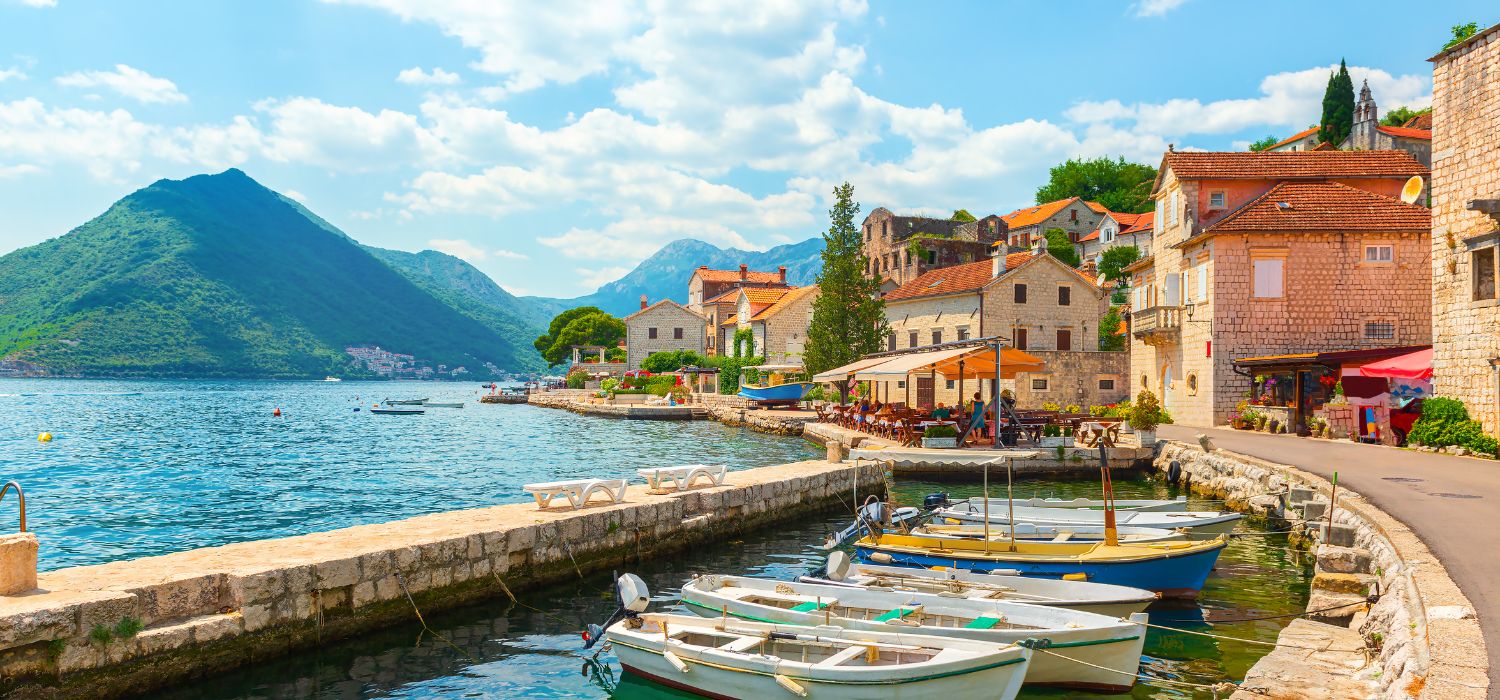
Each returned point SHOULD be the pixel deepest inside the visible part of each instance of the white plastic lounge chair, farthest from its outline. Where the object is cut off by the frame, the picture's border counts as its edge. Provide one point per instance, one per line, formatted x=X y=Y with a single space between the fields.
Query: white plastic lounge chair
x=578 y=492
x=680 y=478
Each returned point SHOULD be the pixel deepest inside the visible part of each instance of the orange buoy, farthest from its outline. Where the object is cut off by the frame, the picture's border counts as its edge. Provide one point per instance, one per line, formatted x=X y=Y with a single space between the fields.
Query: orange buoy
x=276 y=413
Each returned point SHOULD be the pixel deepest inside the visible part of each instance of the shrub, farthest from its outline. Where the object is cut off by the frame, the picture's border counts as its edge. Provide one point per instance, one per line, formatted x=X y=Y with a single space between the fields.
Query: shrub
x=671 y=360
x=1146 y=414
x=576 y=379
x=940 y=431
x=609 y=384
x=1445 y=422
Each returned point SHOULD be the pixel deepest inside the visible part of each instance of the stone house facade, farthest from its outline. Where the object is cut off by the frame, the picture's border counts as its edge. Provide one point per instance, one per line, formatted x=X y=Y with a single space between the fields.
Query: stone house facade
x=1029 y=225
x=778 y=320
x=661 y=327
x=1369 y=135
x=1116 y=229
x=1304 y=140
x=1465 y=228
x=1074 y=378
x=1322 y=257
x=713 y=293
x=901 y=248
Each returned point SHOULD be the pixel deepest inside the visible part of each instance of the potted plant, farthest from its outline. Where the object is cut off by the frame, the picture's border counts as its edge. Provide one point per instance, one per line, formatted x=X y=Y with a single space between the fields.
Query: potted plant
x=1053 y=436
x=1145 y=415
x=940 y=437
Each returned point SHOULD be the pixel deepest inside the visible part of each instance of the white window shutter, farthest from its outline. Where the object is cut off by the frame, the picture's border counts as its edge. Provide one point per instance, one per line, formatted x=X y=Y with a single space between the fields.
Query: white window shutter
x=1203 y=281
x=1174 y=291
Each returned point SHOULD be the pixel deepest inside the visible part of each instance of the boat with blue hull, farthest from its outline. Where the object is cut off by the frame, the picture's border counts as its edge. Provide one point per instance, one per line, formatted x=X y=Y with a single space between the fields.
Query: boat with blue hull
x=1173 y=569
x=779 y=386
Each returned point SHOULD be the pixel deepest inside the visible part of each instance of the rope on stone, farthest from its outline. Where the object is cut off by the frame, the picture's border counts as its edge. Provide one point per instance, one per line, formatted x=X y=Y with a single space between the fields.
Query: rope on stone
x=1368 y=601
x=402 y=580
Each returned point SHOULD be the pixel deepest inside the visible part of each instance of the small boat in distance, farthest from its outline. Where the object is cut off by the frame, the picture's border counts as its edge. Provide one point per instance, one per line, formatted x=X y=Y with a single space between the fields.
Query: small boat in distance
x=331 y=378
x=434 y=404
x=396 y=411
x=773 y=387
x=405 y=402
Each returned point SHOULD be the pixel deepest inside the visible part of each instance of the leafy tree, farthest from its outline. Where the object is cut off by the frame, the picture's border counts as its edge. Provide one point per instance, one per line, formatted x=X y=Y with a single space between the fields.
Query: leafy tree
x=1264 y=143
x=589 y=328
x=1338 y=107
x=1401 y=115
x=1461 y=33
x=1114 y=260
x=544 y=342
x=1118 y=185
x=1108 y=326
x=1060 y=246
x=848 y=315
x=963 y=215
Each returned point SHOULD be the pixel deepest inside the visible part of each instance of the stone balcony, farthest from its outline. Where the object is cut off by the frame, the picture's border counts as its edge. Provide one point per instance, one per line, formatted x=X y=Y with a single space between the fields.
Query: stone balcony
x=1157 y=325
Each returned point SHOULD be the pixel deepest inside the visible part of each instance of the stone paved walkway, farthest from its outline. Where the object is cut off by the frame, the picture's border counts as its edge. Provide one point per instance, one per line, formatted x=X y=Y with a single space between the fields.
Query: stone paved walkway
x=1452 y=503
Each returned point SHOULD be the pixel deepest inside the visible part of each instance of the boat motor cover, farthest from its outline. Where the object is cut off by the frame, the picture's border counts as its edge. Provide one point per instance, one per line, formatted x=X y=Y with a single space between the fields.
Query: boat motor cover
x=838 y=566
x=934 y=501
x=634 y=596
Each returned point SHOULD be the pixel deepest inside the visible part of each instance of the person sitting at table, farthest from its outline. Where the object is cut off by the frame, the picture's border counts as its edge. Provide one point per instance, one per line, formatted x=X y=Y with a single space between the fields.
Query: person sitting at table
x=941 y=412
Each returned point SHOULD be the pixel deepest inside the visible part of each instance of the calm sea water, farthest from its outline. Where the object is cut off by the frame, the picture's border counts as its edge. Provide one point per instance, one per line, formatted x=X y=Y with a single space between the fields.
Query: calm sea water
x=138 y=468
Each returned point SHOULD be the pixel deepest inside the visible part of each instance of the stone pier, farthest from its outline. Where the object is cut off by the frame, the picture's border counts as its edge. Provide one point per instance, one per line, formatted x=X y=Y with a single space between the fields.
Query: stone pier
x=132 y=626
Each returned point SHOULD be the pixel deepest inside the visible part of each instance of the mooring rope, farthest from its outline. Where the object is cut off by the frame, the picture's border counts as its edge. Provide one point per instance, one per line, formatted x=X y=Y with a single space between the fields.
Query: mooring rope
x=1216 y=688
x=1279 y=617
x=1239 y=639
x=402 y=580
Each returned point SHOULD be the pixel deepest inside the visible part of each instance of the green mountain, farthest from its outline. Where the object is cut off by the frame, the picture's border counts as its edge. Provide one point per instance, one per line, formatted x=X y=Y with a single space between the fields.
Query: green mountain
x=216 y=275
x=665 y=274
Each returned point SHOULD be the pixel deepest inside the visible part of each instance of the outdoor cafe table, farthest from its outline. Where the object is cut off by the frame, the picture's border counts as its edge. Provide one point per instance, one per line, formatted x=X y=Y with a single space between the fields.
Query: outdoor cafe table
x=1092 y=433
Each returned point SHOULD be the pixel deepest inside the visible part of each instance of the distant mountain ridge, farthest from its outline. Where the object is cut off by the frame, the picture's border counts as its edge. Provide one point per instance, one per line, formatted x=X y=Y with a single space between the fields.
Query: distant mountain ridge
x=216 y=275
x=665 y=274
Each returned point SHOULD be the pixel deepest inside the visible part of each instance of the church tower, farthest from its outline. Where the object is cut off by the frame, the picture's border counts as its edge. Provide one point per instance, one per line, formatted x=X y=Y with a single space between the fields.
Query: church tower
x=1366 y=119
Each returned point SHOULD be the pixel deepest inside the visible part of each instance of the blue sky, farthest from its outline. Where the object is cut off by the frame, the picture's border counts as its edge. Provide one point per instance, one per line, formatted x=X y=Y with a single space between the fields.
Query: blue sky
x=554 y=145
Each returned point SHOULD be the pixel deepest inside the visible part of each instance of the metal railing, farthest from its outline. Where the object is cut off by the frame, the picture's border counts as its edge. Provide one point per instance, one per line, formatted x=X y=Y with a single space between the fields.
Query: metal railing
x=20 y=495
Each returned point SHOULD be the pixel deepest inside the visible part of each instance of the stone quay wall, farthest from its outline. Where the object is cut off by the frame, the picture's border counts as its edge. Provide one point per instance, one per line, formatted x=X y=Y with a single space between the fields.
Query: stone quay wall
x=207 y=610
x=1422 y=635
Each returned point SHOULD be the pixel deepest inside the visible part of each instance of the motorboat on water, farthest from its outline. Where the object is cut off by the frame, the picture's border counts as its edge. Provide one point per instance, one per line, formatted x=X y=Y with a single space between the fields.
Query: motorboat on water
x=331 y=378
x=435 y=404
x=404 y=402
x=1109 y=646
x=397 y=411
x=1178 y=504
x=777 y=386
x=1049 y=533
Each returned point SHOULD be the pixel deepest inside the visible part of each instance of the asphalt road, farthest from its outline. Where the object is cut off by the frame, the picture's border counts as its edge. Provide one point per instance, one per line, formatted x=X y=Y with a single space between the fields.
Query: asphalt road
x=1452 y=503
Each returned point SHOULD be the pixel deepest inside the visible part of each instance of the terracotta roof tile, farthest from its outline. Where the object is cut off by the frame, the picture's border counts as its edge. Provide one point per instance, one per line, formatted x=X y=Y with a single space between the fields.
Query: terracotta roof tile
x=1093 y=236
x=1126 y=220
x=759 y=296
x=1289 y=165
x=784 y=302
x=726 y=296
x=1031 y=216
x=1146 y=222
x=1406 y=133
x=969 y=277
x=1097 y=207
x=734 y=276
x=1323 y=206
x=1421 y=121
x=1295 y=137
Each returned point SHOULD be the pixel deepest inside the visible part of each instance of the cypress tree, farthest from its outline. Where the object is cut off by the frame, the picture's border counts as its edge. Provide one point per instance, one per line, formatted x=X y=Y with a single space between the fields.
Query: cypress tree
x=1338 y=107
x=848 y=315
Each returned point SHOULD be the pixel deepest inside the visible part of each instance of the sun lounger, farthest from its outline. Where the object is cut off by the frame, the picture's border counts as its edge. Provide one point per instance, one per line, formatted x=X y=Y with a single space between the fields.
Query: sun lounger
x=681 y=477
x=577 y=492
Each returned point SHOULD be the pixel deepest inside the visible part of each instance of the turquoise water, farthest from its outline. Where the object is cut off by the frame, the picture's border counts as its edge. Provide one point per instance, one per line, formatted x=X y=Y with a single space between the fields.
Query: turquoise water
x=138 y=468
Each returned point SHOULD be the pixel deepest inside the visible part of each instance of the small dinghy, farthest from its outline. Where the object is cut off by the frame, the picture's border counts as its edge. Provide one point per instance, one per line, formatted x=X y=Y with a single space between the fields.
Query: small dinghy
x=404 y=402
x=1197 y=522
x=396 y=411
x=732 y=659
x=434 y=404
x=1112 y=646
x=1098 y=598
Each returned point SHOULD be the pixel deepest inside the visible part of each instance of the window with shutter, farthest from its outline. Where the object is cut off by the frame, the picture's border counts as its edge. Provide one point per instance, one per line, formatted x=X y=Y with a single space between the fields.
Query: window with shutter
x=1020 y=338
x=1268 y=278
x=937 y=337
x=651 y=333
x=676 y=334
x=1064 y=339
x=1064 y=296
x=1020 y=294
x=1203 y=281
x=911 y=339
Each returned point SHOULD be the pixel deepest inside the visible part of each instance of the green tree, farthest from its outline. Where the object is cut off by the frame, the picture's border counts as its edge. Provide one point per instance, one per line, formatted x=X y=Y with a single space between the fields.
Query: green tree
x=1401 y=115
x=848 y=315
x=1461 y=33
x=1114 y=260
x=671 y=360
x=963 y=215
x=1109 y=325
x=1060 y=246
x=592 y=327
x=544 y=342
x=1264 y=143
x=1338 y=107
x=1118 y=185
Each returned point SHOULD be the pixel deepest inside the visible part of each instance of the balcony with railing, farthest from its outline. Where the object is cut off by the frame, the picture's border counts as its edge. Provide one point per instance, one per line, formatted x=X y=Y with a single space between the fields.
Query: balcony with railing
x=1157 y=324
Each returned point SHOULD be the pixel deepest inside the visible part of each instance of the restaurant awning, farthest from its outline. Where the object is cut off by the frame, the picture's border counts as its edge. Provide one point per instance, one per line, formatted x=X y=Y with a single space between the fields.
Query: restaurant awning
x=979 y=363
x=1416 y=365
x=896 y=368
x=840 y=374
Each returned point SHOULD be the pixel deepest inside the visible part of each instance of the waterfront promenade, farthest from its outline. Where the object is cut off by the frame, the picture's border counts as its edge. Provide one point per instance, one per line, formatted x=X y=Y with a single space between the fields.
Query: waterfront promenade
x=1449 y=502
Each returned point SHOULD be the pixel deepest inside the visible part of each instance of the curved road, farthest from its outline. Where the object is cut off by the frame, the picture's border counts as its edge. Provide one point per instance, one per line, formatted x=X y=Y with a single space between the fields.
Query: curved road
x=1450 y=502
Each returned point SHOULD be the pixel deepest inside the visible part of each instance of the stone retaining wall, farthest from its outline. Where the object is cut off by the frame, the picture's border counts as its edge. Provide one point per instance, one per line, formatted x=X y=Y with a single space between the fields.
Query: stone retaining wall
x=1422 y=632
x=210 y=609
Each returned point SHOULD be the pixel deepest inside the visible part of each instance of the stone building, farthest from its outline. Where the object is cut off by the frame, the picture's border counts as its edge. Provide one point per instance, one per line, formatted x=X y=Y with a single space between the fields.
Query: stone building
x=1369 y=135
x=778 y=320
x=1305 y=140
x=1465 y=226
x=1030 y=298
x=1270 y=253
x=1116 y=229
x=713 y=293
x=901 y=248
x=1027 y=226
x=661 y=327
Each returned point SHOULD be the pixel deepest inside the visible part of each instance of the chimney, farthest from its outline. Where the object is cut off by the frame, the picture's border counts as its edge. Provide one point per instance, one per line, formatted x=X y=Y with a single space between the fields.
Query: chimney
x=997 y=262
x=744 y=272
x=643 y=302
x=781 y=272
x=703 y=267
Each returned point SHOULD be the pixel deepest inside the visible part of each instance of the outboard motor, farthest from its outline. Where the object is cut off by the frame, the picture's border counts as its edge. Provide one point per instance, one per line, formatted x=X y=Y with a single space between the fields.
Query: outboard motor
x=632 y=596
x=934 y=501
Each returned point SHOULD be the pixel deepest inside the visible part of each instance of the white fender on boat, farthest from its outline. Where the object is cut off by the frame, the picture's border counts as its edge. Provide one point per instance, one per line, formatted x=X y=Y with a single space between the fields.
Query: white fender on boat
x=672 y=659
x=792 y=686
x=881 y=558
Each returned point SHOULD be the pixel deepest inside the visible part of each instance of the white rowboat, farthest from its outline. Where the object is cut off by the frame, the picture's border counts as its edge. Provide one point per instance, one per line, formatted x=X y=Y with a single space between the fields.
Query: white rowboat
x=734 y=659
x=1050 y=533
x=1199 y=523
x=1110 y=647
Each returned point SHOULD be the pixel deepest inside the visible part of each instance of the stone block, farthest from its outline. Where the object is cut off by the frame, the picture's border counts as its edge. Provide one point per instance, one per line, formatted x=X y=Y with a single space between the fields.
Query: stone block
x=1355 y=584
x=184 y=595
x=165 y=638
x=1339 y=535
x=363 y=593
x=256 y=617
x=406 y=558
x=107 y=610
x=248 y=587
x=1314 y=510
x=336 y=573
x=80 y=657
x=17 y=563
x=214 y=627
x=475 y=546
x=1343 y=560
x=521 y=538
x=376 y=565
x=35 y=623
x=1297 y=495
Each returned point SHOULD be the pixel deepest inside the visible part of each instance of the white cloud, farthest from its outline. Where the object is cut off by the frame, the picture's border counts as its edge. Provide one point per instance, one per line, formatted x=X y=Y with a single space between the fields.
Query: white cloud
x=39 y=3
x=458 y=248
x=11 y=74
x=589 y=279
x=509 y=254
x=416 y=76
x=8 y=172
x=105 y=143
x=1156 y=8
x=633 y=239
x=308 y=131
x=133 y=83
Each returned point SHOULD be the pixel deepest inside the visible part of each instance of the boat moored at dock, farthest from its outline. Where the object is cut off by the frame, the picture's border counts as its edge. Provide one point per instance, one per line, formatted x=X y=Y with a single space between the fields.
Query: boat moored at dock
x=1198 y=523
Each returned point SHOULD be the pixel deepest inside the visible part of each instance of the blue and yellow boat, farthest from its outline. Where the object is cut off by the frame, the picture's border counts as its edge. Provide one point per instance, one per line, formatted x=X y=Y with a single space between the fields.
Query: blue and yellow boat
x=1173 y=569
x=776 y=389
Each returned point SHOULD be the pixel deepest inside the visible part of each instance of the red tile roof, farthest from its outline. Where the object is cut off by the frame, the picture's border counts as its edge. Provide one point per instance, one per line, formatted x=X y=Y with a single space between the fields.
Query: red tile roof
x=1290 y=165
x=1093 y=236
x=734 y=276
x=1421 y=121
x=1030 y=216
x=1406 y=133
x=1146 y=222
x=1126 y=220
x=786 y=300
x=1295 y=137
x=1323 y=206
x=969 y=277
